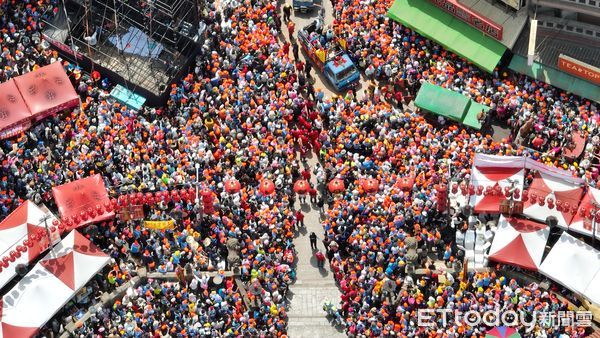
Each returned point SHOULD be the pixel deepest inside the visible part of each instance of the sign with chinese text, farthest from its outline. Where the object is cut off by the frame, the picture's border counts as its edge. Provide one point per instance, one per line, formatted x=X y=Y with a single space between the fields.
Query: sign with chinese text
x=471 y=17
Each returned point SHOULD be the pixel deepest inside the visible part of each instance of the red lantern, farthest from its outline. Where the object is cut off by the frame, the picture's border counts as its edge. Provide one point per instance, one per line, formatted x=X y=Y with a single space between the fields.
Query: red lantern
x=301 y=187
x=5 y=261
x=17 y=254
x=573 y=209
x=463 y=188
x=533 y=197
x=336 y=186
x=471 y=189
x=507 y=194
x=567 y=206
x=21 y=248
x=26 y=242
x=266 y=187
x=52 y=228
x=41 y=232
x=598 y=215
x=454 y=188
x=12 y=257
x=91 y=212
x=61 y=227
x=55 y=222
x=479 y=190
x=83 y=216
x=232 y=186
x=541 y=200
x=516 y=195
x=525 y=196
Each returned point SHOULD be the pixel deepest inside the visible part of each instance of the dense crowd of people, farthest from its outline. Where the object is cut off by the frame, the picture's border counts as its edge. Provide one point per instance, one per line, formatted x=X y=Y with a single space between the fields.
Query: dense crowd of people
x=540 y=116
x=248 y=112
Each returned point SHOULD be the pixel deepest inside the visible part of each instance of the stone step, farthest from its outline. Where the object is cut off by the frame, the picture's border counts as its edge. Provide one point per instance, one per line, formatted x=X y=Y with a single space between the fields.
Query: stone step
x=318 y=283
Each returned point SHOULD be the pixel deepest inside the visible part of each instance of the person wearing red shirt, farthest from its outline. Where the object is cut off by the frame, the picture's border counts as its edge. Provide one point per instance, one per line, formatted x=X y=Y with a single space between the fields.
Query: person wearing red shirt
x=313 y=195
x=300 y=218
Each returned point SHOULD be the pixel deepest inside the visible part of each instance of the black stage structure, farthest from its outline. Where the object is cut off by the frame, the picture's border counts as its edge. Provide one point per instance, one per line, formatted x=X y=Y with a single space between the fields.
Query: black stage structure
x=141 y=44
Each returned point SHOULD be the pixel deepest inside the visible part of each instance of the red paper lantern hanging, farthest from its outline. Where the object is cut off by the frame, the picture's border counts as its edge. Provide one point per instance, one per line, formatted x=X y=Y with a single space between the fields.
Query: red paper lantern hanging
x=21 y=248
x=454 y=188
x=479 y=190
x=91 y=212
x=463 y=188
x=525 y=196
x=52 y=228
x=583 y=211
x=573 y=209
x=598 y=215
x=41 y=232
x=61 y=227
x=566 y=206
x=12 y=257
x=541 y=201
x=5 y=261
x=83 y=216
x=17 y=254
x=26 y=242
x=471 y=189
x=55 y=222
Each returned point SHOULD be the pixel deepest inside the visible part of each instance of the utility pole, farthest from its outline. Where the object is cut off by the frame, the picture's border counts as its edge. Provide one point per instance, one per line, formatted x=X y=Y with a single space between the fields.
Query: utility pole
x=45 y=219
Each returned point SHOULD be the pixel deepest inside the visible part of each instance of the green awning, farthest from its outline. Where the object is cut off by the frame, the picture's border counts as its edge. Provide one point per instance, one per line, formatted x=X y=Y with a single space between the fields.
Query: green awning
x=441 y=101
x=556 y=78
x=452 y=33
x=449 y=104
x=473 y=110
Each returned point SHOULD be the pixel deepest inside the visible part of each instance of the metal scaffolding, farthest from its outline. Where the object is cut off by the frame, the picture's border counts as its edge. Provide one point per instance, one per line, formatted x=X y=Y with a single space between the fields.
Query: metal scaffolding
x=113 y=32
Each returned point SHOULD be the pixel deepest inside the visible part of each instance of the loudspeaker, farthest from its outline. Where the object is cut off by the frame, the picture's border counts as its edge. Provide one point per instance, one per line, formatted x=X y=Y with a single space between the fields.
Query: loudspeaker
x=21 y=270
x=551 y=221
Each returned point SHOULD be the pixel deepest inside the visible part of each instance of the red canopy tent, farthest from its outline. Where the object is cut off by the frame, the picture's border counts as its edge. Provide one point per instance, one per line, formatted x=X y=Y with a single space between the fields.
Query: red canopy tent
x=520 y=242
x=47 y=90
x=15 y=116
x=77 y=198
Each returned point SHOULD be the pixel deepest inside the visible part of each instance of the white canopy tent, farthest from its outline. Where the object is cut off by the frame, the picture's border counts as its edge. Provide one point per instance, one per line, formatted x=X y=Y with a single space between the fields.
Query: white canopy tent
x=519 y=242
x=575 y=265
x=489 y=172
x=51 y=283
x=24 y=221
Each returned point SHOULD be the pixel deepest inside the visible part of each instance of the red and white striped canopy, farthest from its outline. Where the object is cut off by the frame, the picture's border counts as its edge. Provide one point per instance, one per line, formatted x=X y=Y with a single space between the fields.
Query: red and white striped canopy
x=491 y=172
x=24 y=221
x=582 y=221
x=51 y=283
x=561 y=189
x=520 y=242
